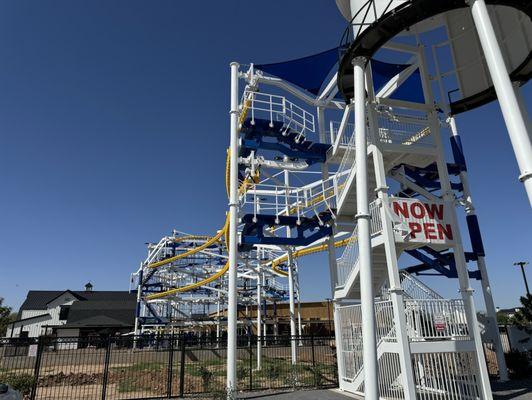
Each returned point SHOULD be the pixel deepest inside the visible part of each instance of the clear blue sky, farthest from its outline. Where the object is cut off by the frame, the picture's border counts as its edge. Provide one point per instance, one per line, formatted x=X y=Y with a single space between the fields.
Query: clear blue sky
x=114 y=124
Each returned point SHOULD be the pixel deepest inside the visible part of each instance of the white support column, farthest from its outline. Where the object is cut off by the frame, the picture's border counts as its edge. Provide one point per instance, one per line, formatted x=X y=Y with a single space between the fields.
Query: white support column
x=231 y=383
x=218 y=328
x=458 y=250
x=291 y=300
x=512 y=113
x=371 y=384
x=259 y=316
x=461 y=265
x=140 y=277
x=298 y=293
x=291 y=296
x=396 y=291
x=481 y=263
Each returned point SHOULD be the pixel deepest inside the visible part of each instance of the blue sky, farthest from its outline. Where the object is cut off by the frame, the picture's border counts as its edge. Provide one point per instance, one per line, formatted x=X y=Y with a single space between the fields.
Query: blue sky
x=114 y=124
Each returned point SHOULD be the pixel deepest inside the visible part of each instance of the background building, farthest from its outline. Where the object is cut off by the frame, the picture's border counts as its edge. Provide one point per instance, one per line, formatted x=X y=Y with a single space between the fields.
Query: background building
x=74 y=313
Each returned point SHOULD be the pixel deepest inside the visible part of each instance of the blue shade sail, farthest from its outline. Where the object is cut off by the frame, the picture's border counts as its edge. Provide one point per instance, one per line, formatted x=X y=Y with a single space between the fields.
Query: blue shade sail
x=309 y=73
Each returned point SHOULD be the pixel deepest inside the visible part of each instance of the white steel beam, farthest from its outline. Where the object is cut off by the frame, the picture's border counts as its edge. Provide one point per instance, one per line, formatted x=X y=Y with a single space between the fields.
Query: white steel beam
x=458 y=249
x=484 y=279
x=371 y=384
x=396 y=291
x=511 y=111
x=231 y=381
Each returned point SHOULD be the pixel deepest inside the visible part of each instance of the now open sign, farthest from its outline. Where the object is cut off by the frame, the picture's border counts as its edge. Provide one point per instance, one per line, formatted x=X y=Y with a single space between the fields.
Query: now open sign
x=427 y=222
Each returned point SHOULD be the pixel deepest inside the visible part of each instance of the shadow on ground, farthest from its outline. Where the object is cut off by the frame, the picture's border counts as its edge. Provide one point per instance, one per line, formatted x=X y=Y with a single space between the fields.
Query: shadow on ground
x=516 y=389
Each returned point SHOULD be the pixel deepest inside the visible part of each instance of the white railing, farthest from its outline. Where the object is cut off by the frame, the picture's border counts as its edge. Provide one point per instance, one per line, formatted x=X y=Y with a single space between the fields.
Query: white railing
x=384 y=322
x=334 y=128
x=349 y=258
x=345 y=169
x=276 y=108
x=404 y=130
x=308 y=200
x=274 y=284
x=415 y=289
x=436 y=319
x=446 y=376
x=350 y=318
x=346 y=263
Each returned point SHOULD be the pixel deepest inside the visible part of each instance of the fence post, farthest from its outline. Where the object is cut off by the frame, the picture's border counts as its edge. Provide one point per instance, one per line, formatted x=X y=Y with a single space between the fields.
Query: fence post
x=313 y=359
x=250 y=363
x=106 y=367
x=170 y=378
x=37 y=368
x=182 y=346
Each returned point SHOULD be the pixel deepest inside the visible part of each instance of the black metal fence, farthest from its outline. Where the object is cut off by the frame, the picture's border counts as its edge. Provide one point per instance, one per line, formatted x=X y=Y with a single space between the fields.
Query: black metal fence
x=161 y=367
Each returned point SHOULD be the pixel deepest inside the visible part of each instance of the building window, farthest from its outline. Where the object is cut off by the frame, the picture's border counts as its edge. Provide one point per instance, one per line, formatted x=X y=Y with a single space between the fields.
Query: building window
x=63 y=312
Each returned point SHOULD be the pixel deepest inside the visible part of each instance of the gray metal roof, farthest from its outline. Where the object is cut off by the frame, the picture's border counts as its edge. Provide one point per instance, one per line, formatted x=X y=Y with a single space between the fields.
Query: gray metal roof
x=38 y=299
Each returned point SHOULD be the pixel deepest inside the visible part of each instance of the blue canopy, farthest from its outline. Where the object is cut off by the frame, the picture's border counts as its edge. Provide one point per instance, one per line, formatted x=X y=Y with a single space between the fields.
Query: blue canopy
x=310 y=72
x=307 y=72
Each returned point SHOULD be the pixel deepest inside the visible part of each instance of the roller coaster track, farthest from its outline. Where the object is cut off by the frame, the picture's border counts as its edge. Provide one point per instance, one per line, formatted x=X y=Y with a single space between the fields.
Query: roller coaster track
x=224 y=232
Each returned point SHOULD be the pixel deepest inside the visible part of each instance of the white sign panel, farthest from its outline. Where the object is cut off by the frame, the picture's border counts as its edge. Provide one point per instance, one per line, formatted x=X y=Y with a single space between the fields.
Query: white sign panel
x=32 y=351
x=427 y=222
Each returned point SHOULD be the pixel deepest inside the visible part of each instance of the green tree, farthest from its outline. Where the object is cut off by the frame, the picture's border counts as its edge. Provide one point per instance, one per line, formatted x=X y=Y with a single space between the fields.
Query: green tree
x=6 y=317
x=523 y=317
x=503 y=319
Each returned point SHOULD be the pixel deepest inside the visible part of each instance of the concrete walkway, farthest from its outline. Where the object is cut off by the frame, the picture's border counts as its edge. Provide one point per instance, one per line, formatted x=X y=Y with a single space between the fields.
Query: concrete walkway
x=302 y=395
x=514 y=390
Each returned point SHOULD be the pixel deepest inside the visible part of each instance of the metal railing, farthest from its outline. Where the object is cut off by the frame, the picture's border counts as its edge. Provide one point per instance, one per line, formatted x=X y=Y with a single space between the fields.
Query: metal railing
x=276 y=108
x=415 y=289
x=446 y=376
x=334 y=129
x=436 y=319
x=308 y=200
x=100 y=368
x=349 y=258
x=350 y=318
x=404 y=130
x=346 y=168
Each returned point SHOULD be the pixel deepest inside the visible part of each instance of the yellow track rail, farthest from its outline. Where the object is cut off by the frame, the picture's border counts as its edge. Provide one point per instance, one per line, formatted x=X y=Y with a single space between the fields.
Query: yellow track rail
x=195 y=250
x=275 y=264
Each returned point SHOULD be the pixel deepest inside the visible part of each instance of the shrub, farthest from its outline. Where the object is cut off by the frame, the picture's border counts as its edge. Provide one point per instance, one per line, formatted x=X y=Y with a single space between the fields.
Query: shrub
x=272 y=371
x=206 y=377
x=242 y=371
x=518 y=364
x=20 y=382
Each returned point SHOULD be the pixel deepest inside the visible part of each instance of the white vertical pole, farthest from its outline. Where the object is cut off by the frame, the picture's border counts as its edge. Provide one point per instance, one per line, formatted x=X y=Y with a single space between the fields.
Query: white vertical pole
x=233 y=245
x=458 y=249
x=298 y=293
x=461 y=265
x=259 y=317
x=265 y=325
x=484 y=279
x=371 y=385
x=512 y=113
x=218 y=328
x=140 y=277
x=292 y=306
x=291 y=297
x=396 y=291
